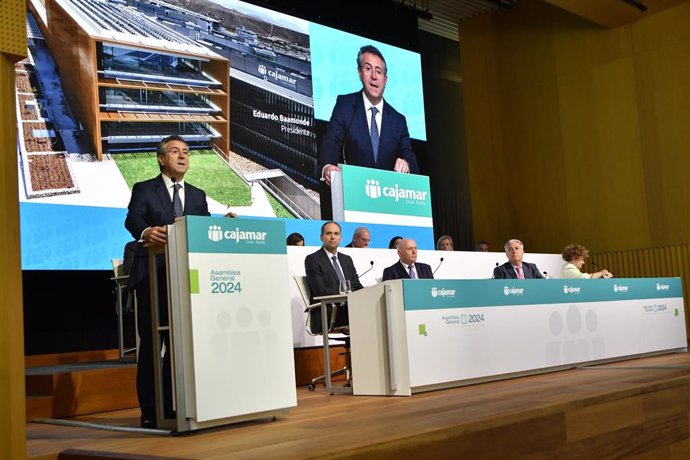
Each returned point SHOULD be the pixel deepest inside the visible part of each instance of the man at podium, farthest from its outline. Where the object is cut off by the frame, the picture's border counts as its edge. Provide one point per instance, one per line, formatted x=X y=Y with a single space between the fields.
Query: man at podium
x=364 y=129
x=156 y=203
x=407 y=267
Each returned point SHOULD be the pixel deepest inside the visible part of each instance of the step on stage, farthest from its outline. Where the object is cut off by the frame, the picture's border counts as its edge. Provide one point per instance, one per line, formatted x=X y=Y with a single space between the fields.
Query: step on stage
x=631 y=409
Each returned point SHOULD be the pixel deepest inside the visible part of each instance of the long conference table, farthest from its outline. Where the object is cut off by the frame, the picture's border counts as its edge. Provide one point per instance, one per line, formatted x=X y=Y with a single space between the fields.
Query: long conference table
x=409 y=336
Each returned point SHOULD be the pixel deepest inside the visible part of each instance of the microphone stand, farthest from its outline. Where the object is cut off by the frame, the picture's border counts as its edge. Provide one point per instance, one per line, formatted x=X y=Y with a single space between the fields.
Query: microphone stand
x=438 y=266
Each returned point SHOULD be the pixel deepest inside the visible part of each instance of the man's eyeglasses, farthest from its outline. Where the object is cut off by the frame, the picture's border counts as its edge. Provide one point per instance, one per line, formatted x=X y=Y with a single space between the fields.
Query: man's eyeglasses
x=368 y=69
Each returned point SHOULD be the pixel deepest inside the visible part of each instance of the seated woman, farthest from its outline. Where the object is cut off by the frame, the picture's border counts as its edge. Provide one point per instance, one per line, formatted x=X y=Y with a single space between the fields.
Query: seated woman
x=393 y=244
x=574 y=256
x=445 y=243
x=295 y=239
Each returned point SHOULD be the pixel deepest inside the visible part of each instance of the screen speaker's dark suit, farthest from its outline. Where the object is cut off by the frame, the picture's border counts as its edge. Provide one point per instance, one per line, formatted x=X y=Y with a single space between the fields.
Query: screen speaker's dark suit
x=397 y=271
x=506 y=271
x=349 y=125
x=151 y=206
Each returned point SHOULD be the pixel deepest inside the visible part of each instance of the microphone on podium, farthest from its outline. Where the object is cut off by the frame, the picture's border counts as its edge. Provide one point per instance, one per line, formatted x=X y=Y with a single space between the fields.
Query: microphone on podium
x=546 y=274
x=438 y=266
x=367 y=270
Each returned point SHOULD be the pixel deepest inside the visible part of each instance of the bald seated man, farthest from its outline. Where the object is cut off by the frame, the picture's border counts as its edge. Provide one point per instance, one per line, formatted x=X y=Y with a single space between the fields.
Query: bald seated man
x=407 y=267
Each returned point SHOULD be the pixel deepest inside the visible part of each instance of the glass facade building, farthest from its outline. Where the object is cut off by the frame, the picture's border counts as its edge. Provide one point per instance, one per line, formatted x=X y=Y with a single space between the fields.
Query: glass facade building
x=135 y=81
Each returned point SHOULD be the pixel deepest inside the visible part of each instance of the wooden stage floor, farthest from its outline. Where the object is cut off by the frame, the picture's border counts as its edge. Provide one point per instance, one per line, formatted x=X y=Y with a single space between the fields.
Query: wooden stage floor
x=631 y=409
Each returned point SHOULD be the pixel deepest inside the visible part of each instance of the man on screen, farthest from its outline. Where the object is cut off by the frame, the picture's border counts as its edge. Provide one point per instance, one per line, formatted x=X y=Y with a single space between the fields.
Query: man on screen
x=515 y=268
x=407 y=267
x=364 y=129
x=154 y=204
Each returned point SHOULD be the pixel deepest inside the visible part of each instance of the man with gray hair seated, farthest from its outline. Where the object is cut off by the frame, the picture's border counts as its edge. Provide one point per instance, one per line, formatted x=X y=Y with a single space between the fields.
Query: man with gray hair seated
x=360 y=239
x=515 y=268
x=407 y=267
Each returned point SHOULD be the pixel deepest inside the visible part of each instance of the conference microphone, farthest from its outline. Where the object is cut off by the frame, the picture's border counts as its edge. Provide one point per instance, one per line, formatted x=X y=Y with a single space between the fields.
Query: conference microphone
x=368 y=270
x=437 y=267
x=546 y=274
x=494 y=275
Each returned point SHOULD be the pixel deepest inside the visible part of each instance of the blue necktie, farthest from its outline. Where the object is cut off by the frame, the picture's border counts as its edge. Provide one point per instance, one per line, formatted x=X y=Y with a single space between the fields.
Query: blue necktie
x=338 y=271
x=178 y=211
x=412 y=275
x=374 y=133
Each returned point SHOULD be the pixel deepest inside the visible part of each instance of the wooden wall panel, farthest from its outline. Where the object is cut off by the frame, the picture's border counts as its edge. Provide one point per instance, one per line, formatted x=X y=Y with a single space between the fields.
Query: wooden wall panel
x=595 y=120
x=663 y=29
x=663 y=79
x=604 y=173
x=12 y=426
x=12 y=398
x=580 y=45
x=482 y=166
x=519 y=55
x=612 y=13
x=531 y=165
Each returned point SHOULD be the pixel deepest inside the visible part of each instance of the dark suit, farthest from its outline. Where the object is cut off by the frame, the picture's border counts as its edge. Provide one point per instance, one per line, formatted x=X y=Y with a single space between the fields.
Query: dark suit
x=151 y=206
x=323 y=280
x=506 y=271
x=321 y=275
x=349 y=125
x=397 y=271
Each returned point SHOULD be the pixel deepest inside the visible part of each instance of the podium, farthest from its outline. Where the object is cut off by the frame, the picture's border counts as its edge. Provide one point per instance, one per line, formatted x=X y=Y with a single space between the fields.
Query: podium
x=226 y=328
x=377 y=196
x=409 y=336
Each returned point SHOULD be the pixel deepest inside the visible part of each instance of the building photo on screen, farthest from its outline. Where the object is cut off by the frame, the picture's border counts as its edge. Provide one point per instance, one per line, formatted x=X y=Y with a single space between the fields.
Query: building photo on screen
x=250 y=90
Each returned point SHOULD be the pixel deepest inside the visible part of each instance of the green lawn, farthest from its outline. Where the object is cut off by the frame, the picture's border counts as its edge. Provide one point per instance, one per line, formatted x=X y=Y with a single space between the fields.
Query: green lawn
x=206 y=171
x=278 y=208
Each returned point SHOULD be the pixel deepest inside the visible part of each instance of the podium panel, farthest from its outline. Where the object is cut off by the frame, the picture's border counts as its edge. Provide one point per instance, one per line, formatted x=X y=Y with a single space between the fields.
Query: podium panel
x=379 y=196
x=409 y=336
x=230 y=320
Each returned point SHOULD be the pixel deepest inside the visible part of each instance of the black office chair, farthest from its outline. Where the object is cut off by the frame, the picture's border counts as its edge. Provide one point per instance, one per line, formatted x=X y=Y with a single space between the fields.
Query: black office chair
x=126 y=302
x=338 y=324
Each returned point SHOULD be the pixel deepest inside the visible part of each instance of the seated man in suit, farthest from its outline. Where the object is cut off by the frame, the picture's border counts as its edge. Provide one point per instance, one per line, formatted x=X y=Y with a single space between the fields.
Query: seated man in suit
x=515 y=268
x=156 y=203
x=327 y=267
x=407 y=267
x=360 y=238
